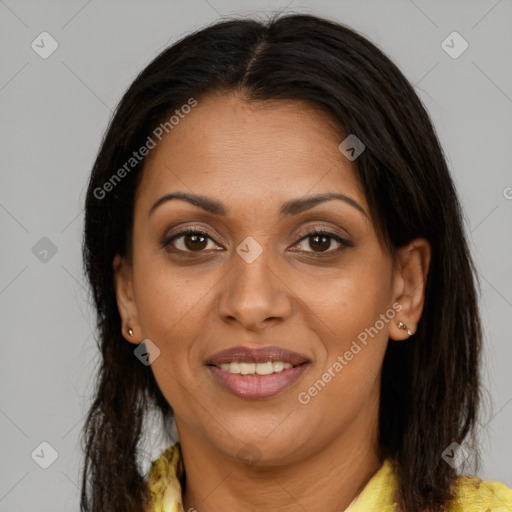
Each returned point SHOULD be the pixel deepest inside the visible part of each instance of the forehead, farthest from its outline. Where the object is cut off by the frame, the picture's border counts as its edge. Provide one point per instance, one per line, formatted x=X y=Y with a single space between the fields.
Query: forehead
x=227 y=147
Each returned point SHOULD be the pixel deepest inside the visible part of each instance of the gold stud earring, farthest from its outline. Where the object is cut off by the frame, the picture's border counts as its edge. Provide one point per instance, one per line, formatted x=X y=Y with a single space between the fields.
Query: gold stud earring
x=130 y=331
x=401 y=325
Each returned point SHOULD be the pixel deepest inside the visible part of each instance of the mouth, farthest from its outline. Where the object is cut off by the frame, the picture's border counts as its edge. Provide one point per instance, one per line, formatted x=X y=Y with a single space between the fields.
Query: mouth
x=257 y=373
x=246 y=369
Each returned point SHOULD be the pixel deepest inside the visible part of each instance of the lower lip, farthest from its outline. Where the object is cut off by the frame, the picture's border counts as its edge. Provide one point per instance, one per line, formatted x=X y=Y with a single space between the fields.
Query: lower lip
x=255 y=387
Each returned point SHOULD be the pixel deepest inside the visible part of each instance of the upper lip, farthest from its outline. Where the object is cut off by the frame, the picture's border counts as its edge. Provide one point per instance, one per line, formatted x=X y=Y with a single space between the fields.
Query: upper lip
x=243 y=354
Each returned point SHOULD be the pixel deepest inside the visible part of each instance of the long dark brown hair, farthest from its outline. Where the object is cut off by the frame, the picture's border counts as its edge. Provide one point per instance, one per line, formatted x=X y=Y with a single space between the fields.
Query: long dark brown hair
x=430 y=384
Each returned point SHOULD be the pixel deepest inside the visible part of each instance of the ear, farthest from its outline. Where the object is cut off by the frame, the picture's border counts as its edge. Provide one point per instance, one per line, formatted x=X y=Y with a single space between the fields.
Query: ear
x=410 y=278
x=123 y=284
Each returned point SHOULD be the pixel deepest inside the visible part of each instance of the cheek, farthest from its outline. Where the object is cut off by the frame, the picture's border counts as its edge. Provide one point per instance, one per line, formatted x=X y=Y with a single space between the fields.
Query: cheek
x=351 y=300
x=172 y=309
x=175 y=311
x=168 y=299
x=346 y=378
x=351 y=313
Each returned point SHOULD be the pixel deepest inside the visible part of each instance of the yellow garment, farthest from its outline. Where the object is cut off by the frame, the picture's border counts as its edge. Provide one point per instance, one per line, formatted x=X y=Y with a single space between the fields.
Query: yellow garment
x=472 y=494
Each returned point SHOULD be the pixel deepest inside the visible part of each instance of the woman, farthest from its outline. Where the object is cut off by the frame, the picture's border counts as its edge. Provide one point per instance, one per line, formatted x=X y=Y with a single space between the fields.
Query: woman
x=277 y=258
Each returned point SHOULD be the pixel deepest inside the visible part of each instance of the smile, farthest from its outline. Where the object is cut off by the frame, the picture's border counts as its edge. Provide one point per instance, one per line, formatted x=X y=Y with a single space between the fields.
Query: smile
x=265 y=368
x=256 y=373
x=257 y=381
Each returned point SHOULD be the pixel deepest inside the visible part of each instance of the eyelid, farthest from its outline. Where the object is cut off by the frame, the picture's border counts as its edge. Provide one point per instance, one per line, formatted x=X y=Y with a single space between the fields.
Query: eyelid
x=302 y=232
x=188 y=228
x=326 y=228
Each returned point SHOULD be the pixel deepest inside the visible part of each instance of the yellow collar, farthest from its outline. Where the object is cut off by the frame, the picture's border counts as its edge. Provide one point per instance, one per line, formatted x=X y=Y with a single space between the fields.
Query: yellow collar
x=471 y=494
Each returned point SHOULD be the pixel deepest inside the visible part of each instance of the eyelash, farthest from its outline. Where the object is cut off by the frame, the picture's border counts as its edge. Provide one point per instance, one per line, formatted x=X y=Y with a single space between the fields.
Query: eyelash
x=194 y=231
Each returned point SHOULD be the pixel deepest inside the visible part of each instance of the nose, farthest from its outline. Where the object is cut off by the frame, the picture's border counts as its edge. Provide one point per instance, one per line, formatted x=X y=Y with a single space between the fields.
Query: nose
x=256 y=294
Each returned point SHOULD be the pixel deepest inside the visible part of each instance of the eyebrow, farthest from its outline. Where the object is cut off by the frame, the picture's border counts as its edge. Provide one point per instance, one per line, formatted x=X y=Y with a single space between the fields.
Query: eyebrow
x=292 y=207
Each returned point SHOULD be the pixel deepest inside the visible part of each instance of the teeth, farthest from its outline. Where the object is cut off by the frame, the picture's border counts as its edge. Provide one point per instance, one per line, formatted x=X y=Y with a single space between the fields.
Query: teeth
x=278 y=366
x=264 y=368
x=247 y=368
x=256 y=368
x=231 y=367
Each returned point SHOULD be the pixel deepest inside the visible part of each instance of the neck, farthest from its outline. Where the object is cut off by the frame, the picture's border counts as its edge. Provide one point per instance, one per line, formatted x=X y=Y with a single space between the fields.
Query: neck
x=326 y=480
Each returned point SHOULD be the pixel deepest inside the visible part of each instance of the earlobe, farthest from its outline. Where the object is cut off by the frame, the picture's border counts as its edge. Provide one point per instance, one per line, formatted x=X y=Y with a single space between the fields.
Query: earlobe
x=123 y=284
x=413 y=262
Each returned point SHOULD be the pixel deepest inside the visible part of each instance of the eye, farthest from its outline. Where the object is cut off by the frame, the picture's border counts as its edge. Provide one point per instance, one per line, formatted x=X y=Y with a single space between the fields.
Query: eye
x=187 y=241
x=321 y=239
x=193 y=240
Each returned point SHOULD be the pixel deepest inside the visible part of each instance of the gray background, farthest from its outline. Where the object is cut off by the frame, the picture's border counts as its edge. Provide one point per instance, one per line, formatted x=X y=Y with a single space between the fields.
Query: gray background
x=54 y=113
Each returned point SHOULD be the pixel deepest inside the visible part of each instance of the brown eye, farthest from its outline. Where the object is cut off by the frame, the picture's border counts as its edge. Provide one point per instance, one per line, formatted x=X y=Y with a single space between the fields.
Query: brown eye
x=188 y=241
x=320 y=241
x=195 y=242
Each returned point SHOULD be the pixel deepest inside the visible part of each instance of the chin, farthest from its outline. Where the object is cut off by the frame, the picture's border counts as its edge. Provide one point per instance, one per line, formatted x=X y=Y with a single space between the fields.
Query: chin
x=260 y=448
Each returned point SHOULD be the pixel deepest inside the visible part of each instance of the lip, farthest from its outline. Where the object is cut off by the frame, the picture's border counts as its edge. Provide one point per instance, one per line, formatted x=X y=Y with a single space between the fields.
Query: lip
x=257 y=387
x=243 y=354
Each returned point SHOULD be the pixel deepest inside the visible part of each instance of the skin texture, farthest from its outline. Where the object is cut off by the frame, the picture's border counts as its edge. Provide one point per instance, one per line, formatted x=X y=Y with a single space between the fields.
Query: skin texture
x=254 y=157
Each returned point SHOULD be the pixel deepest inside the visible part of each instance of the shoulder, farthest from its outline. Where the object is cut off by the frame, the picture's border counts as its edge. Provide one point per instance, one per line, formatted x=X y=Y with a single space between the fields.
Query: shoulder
x=475 y=495
x=164 y=481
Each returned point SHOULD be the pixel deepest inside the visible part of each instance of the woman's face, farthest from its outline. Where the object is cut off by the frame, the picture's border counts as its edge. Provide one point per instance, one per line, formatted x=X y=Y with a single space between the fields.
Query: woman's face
x=256 y=277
